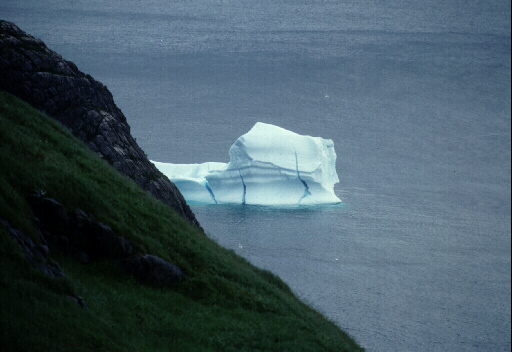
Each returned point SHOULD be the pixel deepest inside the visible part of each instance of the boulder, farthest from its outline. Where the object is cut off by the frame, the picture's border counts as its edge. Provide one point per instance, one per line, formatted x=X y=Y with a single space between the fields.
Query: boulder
x=105 y=244
x=153 y=270
x=79 y=301
x=51 y=213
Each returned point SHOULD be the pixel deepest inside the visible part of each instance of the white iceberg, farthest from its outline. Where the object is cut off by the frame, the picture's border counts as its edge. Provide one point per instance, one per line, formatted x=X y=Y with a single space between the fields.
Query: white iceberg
x=268 y=166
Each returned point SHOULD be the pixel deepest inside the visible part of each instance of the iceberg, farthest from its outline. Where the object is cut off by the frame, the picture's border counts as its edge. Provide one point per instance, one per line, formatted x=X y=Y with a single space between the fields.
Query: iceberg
x=268 y=165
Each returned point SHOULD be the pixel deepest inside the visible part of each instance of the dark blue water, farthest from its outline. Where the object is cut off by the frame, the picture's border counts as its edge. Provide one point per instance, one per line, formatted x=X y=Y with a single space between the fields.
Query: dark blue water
x=414 y=94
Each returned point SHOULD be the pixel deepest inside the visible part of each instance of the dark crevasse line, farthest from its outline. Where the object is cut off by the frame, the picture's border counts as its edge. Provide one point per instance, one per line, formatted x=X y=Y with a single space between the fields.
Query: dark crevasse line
x=211 y=192
x=243 y=183
x=306 y=187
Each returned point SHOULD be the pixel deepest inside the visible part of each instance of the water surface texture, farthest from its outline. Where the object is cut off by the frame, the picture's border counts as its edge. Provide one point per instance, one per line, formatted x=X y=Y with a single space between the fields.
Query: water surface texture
x=415 y=96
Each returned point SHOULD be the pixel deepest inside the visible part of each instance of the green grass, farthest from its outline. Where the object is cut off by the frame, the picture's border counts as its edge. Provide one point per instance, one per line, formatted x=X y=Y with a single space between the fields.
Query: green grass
x=223 y=304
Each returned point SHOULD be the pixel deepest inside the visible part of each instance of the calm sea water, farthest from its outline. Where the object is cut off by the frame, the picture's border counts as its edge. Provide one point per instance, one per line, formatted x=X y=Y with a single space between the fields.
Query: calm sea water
x=415 y=95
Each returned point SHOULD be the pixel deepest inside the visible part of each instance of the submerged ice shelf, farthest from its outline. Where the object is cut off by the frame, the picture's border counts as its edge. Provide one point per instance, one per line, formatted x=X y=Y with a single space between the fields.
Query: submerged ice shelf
x=268 y=166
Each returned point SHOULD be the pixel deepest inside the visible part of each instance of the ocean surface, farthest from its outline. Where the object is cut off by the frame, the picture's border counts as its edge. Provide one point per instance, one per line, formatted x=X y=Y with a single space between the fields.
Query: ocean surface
x=415 y=96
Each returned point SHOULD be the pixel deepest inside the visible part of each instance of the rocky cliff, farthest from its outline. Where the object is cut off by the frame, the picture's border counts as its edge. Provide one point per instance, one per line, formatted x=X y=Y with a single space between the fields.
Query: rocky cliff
x=41 y=77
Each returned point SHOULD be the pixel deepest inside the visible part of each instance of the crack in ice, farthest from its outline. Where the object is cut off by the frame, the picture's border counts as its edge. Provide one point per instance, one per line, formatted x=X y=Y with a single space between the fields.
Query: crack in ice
x=306 y=187
x=243 y=183
x=210 y=191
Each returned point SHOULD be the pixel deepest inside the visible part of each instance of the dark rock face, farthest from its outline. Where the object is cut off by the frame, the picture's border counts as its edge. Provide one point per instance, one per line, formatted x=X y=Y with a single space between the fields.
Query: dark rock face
x=153 y=270
x=36 y=254
x=41 y=77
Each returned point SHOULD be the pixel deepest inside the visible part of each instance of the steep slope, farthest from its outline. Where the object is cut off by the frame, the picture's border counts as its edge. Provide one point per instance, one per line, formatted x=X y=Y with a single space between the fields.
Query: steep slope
x=223 y=303
x=41 y=77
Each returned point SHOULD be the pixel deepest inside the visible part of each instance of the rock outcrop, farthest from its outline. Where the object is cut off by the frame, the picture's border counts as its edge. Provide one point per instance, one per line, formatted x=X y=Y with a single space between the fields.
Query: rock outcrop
x=85 y=239
x=36 y=254
x=76 y=233
x=41 y=77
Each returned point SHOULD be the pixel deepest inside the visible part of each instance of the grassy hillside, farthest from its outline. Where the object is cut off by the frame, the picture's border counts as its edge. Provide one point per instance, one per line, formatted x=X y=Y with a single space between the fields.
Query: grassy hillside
x=223 y=304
